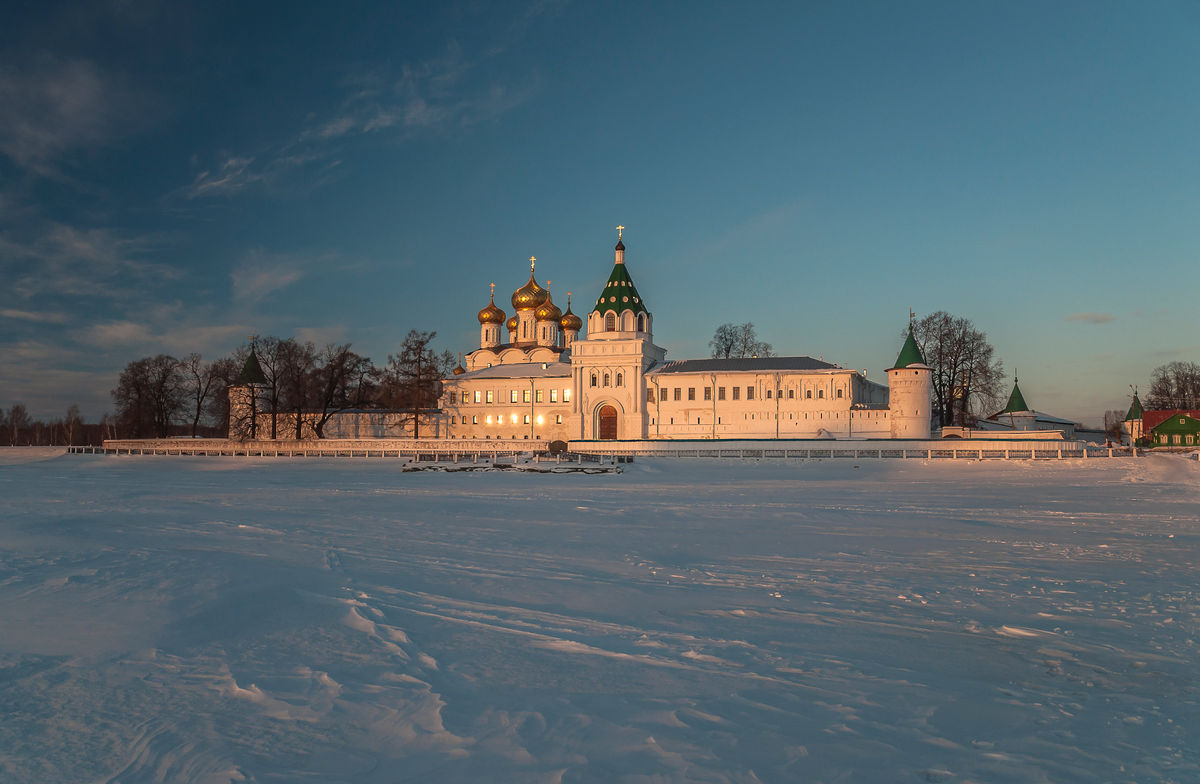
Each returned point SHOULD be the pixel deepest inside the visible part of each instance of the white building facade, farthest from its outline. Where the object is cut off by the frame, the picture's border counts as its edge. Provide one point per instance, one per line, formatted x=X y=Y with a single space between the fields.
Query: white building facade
x=547 y=383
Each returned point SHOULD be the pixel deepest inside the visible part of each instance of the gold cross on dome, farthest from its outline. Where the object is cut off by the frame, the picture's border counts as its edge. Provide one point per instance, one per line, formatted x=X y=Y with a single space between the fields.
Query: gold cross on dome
x=493 y=285
x=531 y=260
x=620 y=230
x=547 y=283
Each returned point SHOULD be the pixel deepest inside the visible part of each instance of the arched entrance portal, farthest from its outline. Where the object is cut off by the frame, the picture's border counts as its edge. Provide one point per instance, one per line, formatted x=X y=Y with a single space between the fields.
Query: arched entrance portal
x=608 y=423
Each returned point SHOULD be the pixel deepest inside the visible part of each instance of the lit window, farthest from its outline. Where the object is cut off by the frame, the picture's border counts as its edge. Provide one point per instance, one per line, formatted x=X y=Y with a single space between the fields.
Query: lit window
x=537 y=397
x=489 y=396
x=512 y=396
x=566 y=396
x=524 y=396
x=463 y=398
x=526 y=419
x=488 y=419
x=539 y=419
x=558 y=419
x=474 y=420
x=514 y=419
x=464 y=419
x=553 y=396
x=478 y=395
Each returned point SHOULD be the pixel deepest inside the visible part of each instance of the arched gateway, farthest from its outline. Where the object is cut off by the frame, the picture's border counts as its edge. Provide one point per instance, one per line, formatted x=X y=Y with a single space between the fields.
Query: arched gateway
x=608 y=423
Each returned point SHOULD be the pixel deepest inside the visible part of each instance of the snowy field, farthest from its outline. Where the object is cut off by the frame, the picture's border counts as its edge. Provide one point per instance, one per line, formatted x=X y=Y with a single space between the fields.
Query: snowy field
x=215 y=620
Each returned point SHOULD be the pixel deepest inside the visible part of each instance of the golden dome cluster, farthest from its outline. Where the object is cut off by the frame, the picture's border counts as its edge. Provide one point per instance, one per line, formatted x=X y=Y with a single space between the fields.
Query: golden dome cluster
x=491 y=314
x=569 y=319
x=547 y=311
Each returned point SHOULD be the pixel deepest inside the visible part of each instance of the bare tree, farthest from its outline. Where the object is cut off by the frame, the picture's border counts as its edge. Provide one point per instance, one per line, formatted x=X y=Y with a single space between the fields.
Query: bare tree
x=343 y=380
x=412 y=379
x=72 y=425
x=295 y=366
x=738 y=340
x=1175 y=385
x=150 y=396
x=201 y=381
x=968 y=381
x=16 y=421
x=1114 y=425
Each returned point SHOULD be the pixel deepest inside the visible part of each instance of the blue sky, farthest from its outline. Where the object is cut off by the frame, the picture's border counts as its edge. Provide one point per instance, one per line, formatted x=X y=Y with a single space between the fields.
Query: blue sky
x=173 y=179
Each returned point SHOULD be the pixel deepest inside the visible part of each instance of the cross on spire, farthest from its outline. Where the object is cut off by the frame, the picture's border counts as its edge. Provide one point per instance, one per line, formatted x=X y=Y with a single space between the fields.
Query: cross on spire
x=620 y=230
x=493 y=293
x=532 y=259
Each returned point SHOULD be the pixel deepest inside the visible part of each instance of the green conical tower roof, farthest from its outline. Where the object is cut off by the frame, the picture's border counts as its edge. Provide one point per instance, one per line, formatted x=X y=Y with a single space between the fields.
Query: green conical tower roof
x=1016 y=401
x=252 y=372
x=619 y=293
x=910 y=354
x=1135 y=409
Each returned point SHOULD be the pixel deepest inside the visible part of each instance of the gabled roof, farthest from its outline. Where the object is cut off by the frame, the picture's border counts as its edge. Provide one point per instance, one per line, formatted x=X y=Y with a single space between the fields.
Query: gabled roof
x=1135 y=409
x=252 y=372
x=1178 y=422
x=910 y=354
x=747 y=364
x=1016 y=401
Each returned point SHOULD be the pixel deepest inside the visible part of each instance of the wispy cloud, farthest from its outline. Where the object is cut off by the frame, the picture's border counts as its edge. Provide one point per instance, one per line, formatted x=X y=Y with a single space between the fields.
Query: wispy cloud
x=1091 y=318
x=261 y=274
x=437 y=95
x=51 y=108
x=37 y=317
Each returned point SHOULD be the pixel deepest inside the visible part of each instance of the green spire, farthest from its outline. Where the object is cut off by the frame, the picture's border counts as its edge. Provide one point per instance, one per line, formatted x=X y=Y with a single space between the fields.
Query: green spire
x=619 y=293
x=1016 y=401
x=1135 y=409
x=911 y=353
x=252 y=372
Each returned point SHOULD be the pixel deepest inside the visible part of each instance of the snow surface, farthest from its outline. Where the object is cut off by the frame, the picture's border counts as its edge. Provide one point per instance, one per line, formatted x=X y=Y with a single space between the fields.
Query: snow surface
x=266 y=620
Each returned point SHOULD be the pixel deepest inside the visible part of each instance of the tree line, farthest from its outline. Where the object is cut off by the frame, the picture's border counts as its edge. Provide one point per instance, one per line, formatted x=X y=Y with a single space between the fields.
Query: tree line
x=161 y=396
x=19 y=428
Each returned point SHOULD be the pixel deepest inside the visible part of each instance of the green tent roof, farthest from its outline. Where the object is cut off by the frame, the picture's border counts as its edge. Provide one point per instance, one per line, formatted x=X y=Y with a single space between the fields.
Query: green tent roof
x=619 y=293
x=1016 y=401
x=1135 y=409
x=252 y=372
x=910 y=354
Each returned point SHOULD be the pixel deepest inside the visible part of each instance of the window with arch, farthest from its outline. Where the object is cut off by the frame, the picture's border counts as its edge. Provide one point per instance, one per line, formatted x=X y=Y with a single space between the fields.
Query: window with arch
x=791 y=394
x=593 y=379
x=839 y=393
x=808 y=394
x=641 y=322
x=606 y=379
x=610 y=322
x=620 y=379
x=821 y=394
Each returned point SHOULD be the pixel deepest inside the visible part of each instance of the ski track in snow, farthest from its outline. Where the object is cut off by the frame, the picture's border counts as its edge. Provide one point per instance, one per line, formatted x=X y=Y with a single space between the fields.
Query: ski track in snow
x=213 y=620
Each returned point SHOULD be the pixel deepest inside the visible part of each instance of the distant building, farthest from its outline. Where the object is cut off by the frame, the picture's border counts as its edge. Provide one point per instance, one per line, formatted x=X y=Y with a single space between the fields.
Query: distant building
x=1017 y=415
x=1179 y=427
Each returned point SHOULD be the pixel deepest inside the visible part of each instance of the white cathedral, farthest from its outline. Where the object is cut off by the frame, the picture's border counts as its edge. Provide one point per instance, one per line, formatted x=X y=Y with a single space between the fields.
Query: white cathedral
x=547 y=382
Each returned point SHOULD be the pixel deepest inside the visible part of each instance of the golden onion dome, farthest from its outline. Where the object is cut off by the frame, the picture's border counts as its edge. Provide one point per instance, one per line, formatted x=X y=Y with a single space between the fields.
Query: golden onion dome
x=548 y=311
x=491 y=314
x=569 y=319
x=529 y=296
x=513 y=323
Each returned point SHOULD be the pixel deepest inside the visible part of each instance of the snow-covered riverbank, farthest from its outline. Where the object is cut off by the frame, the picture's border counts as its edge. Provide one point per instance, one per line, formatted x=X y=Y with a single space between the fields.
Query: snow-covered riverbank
x=214 y=620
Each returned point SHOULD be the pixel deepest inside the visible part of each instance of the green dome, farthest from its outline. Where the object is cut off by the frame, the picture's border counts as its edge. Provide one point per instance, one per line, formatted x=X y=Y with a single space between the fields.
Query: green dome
x=619 y=293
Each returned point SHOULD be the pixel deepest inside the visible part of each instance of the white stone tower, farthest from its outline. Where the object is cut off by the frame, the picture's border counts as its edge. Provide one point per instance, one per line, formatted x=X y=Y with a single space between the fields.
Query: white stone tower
x=609 y=366
x=243 y=400
x=910 y=392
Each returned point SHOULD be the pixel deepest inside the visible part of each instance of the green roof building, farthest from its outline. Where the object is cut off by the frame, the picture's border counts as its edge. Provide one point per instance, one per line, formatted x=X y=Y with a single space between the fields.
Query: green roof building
x=1178 y=430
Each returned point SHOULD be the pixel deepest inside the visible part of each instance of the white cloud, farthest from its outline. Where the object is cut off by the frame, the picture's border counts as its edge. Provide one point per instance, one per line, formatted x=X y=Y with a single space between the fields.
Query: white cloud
x=260 y=275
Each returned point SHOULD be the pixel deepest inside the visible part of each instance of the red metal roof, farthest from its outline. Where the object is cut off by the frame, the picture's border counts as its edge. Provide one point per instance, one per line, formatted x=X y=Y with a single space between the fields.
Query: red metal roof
x=1152 y=419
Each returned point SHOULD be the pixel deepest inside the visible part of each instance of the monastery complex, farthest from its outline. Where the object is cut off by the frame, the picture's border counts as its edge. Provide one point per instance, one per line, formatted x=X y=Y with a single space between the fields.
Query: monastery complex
x=535 y=376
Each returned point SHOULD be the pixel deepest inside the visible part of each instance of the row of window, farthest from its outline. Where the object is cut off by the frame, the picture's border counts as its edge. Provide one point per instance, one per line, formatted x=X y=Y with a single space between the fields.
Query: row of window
x=499 y=419
x=610 y=319
x=735 y=391
x=514 y=396
x=608 y=379
x=771 y=415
